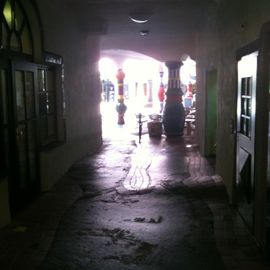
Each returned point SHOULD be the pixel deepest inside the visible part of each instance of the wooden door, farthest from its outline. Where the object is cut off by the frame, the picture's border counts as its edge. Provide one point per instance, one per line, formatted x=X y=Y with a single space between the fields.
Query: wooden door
x=245 y=145
x=5 y=123
x=18 y=131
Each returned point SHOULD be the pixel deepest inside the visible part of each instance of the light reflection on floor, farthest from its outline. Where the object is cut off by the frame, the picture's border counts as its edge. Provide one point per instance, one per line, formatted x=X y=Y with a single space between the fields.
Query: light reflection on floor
x=138 y=178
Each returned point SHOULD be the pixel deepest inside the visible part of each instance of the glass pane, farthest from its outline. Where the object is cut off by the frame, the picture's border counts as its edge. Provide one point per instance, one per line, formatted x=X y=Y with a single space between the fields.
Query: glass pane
x=4 y=95
x=51 y=103
x=51 y=125
x=14 y=42
x=248 y=108
x=22 y=154
x=6 y=145
x=43 y=128
x=42 y=103
x=20 y=95
x=249 y=86
x=243 y=87
x=32 y=151
x=29 y=94
x=243 y=107
x=248 y=129
x=50 y=80
x=243 y=126
x=26 y=41
x=4 y=36
x=4 y=157
x=8 y=13
x=18 y=17
x=41 y=80
x=246 y=92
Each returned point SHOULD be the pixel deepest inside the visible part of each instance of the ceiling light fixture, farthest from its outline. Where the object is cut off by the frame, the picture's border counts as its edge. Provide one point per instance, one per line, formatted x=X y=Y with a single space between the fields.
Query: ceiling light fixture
x=144 y=33
x=139 y=17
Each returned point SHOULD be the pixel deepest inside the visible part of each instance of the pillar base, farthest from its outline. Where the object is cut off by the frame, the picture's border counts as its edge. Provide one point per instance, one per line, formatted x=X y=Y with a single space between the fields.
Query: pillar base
x=174 y=119
x=121 y=120
x=121 y=109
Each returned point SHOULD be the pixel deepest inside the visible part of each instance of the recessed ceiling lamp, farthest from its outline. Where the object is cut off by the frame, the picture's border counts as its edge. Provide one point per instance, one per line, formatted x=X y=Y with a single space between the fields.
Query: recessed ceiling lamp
x=139 y=17
x=144 y=33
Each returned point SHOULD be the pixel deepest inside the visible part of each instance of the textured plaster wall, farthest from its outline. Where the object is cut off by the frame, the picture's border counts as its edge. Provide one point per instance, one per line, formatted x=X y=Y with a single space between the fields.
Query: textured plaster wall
x=80 y=52
x=229 y=27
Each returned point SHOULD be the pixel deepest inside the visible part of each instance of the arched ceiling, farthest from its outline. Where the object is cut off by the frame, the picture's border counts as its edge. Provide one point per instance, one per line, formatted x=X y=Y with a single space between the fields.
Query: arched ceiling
x=172 y=26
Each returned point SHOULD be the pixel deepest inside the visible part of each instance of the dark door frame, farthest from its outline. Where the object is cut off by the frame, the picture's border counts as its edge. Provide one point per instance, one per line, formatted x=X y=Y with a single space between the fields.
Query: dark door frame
x=18 y=195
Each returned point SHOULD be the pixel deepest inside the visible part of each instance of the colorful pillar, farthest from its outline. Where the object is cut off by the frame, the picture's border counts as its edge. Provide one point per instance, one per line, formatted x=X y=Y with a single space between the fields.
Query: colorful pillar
x=174 y=113
x=120 y=106
x=161 y=92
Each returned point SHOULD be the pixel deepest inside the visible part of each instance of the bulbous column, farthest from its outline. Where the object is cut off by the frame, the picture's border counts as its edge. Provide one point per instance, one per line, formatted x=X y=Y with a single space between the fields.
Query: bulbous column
x=174 y=113
x=120 y=106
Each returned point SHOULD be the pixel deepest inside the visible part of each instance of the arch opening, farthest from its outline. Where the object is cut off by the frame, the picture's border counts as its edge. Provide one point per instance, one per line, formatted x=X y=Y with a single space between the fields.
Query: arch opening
x=144 y=76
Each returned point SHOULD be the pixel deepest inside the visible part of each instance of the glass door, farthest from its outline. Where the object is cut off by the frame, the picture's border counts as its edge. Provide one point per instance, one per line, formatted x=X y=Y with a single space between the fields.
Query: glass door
x=26 y=184
x=4 y=118
x=245 y=146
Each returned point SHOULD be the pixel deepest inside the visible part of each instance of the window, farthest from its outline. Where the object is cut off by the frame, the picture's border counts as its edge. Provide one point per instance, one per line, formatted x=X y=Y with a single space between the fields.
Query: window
x=51 y=103
x=47 y=105
x=15 y=29
x=19 y=36
x=245 y=118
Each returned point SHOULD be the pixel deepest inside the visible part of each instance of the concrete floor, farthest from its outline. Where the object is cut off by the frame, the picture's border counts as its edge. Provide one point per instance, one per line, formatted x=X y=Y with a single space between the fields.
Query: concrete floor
x=156 y=205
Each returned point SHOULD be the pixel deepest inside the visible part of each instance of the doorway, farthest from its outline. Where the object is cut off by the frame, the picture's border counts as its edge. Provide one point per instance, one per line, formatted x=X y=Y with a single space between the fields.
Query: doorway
x=19 y=131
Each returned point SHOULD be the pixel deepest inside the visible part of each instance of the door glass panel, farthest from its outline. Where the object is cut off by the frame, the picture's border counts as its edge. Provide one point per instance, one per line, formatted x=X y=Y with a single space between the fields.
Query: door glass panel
x=245 y=116
x=4 y=36
x=42 y=103
x=20 y=95
x=50 y=82
x=51 y=125
x=4 y=96
x=3 y=122
x=29 y=94
x=22 y=154
x=43 y=130
x=41 y=80
x=6 y=145
x=51 y=103
x=32 y=151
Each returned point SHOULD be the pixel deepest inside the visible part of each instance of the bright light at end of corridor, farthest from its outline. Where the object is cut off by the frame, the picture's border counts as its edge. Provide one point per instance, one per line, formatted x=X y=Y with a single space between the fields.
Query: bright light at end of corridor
x=107 y=68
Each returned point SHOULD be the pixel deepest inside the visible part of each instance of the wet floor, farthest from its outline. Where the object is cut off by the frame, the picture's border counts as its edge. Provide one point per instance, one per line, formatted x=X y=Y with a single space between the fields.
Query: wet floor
x=136 y=212
x=152 y=205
